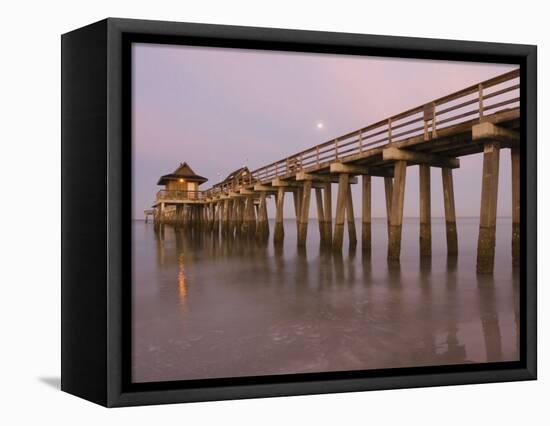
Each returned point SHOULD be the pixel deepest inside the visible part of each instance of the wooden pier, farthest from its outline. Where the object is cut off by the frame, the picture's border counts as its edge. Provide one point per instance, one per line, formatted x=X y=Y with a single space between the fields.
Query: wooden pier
x=480 y=119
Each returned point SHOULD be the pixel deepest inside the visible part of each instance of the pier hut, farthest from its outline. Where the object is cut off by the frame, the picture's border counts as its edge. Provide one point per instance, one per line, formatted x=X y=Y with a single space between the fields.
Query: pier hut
x=180 y=201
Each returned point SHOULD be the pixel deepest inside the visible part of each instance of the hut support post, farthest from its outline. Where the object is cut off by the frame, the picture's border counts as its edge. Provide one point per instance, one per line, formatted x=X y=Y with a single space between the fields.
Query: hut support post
x=162 y=213
x=304 y=213
x=515 y=206
x=425 y=211
x=343 y=188
x=366 y=214
x=179 y=214
x=450 y=214
x=396 y=214
x=488 y=213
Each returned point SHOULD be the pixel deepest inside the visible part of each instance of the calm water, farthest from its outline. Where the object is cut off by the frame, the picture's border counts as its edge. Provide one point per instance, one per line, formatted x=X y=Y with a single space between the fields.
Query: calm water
x=206 y=307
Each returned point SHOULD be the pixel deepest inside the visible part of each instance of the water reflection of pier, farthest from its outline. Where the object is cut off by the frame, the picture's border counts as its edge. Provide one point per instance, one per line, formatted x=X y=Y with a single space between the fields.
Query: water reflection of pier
x=386 y=314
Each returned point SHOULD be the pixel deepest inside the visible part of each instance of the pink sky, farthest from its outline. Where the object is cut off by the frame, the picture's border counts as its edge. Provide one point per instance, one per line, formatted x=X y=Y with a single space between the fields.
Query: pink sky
x=219 y=109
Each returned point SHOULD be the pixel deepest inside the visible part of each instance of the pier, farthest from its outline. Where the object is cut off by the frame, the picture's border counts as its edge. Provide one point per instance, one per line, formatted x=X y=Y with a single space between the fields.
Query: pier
x=482 y=119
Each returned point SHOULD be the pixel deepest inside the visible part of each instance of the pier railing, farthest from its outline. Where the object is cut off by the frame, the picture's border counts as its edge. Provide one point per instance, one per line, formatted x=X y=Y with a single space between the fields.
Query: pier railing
x=474 y=102
x=167 y=194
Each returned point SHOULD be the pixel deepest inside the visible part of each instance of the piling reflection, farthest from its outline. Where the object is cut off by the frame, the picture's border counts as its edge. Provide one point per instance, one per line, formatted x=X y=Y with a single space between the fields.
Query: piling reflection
x=218 y=307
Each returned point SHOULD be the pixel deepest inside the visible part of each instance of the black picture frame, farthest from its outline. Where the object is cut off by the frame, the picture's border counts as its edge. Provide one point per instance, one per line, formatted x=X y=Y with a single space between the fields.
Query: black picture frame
x=96 y=152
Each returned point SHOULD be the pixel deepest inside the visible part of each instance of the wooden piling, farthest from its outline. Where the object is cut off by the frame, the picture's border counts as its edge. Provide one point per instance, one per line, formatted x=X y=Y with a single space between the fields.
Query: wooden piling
x=253 y=216
x=265 y=218
x=225 y=224
x=179 y=215
x=320 y=215
x=238 y=215
x=488 y=213
x=396 y=214
x=215 y=216
x=297 y=196
x=343 y=188
x=248 y=207
x=328 y=212
x=262 y=230
x=366 y=214
x=515 y=205
x=425 y=237
x=352 y=233
x=388 y=191
x=162 y=217
x=450 y=214
x=235 y=215
x=304 y=213
x=279 y=232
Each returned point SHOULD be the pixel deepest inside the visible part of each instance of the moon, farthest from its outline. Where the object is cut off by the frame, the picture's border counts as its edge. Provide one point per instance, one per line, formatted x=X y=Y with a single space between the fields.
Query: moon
x=320 y=125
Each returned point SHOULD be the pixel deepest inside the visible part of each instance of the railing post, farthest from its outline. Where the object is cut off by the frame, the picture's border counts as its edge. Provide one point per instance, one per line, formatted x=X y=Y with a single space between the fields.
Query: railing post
x=434 y=131
x=360 y=141
x=428 y=115
x=389 y=130
x=480 y=96
x=336 y=147
x=317 y=152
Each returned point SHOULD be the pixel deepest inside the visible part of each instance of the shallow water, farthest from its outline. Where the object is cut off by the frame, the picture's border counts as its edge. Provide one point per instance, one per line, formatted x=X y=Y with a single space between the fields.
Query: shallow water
x=206 y=307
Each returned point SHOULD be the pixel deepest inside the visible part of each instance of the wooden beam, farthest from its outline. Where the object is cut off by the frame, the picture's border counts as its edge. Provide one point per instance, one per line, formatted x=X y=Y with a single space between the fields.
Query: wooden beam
x=303 y=176
x=264 y=188
x=244 y=191
x=360 y=169
x=278 y=182
x=488 y=213
x=349 y=168
x=490 y=132
x=397 y=154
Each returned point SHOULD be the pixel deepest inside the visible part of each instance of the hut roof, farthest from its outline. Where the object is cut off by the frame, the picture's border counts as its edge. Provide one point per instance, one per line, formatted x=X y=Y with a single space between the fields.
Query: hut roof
x=236 y=174
x=184 y=171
